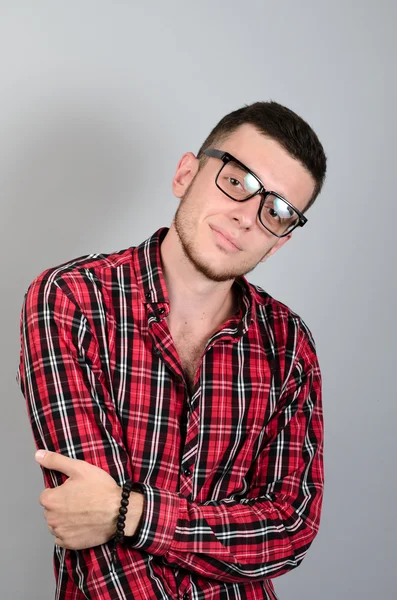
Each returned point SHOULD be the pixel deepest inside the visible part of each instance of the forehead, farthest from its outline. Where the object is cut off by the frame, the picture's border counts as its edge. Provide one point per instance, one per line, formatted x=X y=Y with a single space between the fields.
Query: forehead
x=274 y=166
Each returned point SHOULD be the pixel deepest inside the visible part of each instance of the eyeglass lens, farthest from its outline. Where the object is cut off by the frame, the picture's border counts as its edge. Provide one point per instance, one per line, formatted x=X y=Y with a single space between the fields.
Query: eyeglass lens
x=238 y=183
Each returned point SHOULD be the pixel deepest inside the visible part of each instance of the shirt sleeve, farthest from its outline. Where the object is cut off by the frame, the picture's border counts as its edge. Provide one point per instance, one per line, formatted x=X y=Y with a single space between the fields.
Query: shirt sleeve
x=69 y=400
x=268 y=532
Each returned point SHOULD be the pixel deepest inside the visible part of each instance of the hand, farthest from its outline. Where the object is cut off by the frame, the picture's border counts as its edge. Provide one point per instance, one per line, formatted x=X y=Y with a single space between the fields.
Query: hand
x=82 y=512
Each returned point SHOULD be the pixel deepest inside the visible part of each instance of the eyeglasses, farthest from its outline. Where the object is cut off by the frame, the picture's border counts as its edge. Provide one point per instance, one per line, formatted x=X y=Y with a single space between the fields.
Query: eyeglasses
x=239 y=183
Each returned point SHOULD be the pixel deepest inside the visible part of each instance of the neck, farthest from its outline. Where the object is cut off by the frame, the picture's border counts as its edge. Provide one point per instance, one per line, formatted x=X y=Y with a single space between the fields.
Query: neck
x=196 y=302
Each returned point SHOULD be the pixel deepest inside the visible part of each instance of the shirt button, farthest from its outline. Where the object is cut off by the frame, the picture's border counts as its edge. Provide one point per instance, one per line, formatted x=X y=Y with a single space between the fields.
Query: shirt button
x=148 y=295
x=161 y=311
x=185 y=596
x=187 y=472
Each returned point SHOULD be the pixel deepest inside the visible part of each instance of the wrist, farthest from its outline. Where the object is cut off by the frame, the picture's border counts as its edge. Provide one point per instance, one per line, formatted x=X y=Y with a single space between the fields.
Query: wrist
x=134 y=513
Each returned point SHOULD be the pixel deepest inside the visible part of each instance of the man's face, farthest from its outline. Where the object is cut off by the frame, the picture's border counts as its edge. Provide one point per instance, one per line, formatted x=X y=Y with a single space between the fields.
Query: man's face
x=205 y=212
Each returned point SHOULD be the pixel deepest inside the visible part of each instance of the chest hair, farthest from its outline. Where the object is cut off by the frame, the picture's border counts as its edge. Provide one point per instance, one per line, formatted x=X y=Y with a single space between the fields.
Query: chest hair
x=190 y=349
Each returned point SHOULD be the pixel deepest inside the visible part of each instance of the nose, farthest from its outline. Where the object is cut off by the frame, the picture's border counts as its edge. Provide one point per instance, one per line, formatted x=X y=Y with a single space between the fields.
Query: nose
x=246 y=213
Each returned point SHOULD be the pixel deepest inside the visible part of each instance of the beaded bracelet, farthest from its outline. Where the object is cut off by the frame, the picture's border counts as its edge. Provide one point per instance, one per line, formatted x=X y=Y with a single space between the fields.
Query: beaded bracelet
x=119 y=537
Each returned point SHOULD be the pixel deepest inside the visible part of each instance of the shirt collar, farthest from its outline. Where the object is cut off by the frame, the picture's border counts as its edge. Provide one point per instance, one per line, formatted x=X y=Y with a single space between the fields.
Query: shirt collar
x=150 y=278
x=148 y=269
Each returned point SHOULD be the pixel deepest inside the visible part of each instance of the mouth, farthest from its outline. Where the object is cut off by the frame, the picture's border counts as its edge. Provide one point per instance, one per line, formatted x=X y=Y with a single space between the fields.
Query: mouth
x=225 y=240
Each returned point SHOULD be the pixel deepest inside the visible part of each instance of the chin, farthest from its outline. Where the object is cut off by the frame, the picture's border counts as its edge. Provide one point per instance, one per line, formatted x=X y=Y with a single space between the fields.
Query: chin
x=205 y=254
x=218 y=268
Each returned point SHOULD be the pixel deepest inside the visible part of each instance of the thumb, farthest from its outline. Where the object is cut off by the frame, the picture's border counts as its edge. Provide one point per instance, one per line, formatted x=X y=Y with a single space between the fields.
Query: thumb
x=56 y=462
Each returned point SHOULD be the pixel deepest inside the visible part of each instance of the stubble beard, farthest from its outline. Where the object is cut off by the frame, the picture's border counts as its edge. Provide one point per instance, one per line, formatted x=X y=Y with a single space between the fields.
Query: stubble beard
x=184 y=222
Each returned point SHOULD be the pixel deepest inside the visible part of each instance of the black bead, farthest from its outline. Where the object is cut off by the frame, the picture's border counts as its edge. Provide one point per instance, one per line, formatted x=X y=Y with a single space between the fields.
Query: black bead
x=125 y=495
x=120 y=527
x=123 y=510
x=124 y=502
x=121 y=518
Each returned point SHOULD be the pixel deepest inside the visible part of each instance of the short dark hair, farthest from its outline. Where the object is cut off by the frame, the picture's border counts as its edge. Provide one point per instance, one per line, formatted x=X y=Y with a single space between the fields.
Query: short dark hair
x=284 y=126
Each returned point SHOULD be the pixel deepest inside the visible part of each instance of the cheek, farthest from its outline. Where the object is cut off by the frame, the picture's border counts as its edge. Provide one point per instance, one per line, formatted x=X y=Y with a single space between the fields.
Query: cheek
x=263 y=249
x=207 y=208
x=211 y=200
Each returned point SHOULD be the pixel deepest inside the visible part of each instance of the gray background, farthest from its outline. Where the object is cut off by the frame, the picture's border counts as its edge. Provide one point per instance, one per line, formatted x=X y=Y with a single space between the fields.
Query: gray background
x=98 y=102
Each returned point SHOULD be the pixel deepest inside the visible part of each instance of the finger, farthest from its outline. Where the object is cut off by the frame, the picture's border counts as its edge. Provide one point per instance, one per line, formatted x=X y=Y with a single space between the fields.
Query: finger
x=43 y=498
x=58 y=462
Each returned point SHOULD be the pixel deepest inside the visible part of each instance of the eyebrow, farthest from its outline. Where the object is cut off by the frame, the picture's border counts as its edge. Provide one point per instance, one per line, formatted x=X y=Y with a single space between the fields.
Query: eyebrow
x=273 y=191
x=258 y=178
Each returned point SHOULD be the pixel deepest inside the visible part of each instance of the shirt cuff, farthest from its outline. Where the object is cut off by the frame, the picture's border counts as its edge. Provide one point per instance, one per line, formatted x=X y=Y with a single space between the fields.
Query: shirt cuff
x=160 y=515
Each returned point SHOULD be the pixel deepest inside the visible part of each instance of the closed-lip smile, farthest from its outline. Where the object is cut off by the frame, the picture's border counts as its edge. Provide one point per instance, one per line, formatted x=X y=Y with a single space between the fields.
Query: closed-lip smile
x=226 y=236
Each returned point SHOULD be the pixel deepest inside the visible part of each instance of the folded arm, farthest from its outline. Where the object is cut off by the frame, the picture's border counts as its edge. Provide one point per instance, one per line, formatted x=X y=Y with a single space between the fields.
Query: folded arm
x=72 y=411
x=268 y=532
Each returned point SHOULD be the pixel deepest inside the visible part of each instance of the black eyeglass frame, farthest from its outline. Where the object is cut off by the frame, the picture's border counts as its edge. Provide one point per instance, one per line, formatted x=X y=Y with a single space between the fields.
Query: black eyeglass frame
x=227 y=157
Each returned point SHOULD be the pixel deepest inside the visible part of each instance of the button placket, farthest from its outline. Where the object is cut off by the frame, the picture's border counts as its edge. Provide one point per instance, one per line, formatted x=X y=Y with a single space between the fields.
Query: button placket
x=186 y=484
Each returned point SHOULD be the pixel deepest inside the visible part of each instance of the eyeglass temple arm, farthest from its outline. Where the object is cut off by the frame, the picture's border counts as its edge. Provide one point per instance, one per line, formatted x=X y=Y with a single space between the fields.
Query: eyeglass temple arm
x=214 y=153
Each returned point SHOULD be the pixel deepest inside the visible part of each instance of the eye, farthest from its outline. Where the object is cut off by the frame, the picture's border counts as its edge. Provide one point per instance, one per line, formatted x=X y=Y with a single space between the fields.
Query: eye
x=283 y=209
x=234 y=182
x=273 y=213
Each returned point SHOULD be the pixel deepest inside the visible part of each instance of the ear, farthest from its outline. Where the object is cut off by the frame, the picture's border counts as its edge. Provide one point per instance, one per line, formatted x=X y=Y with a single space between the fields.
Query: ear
x=185 y=172
x=276 y=246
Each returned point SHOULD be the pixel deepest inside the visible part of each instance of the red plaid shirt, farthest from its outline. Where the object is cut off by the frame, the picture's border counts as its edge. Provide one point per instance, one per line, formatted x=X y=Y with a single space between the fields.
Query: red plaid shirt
x=232 y=473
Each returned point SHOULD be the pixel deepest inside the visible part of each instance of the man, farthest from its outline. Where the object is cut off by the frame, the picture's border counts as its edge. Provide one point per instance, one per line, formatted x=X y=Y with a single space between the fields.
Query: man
x=161 y=364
